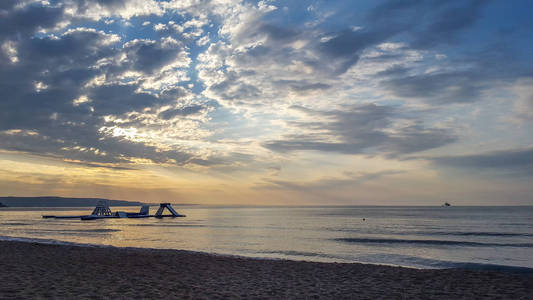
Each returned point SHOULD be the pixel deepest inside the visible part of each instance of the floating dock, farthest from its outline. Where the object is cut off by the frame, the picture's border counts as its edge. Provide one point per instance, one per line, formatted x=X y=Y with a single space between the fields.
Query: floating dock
x=102 y=211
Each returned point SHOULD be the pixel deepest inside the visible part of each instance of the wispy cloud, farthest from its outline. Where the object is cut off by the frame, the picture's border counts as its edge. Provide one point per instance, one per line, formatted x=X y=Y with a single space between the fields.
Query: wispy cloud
x=503 y=162
x=362 y=130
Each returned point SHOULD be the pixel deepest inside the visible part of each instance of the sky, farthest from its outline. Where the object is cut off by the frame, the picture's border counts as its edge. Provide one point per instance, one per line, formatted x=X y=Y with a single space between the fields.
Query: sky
x=222 y=102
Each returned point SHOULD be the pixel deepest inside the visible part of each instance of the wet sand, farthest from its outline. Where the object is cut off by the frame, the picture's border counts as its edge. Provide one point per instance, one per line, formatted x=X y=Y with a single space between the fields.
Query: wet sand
x=31 y=270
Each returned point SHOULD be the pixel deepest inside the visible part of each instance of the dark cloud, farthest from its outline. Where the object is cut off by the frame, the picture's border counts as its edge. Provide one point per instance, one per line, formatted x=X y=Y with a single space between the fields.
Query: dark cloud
x=425 y=23
x=49 y=62
x=330 y=53
x=84 y=5
x=298 y=143
x=388 y=10
x=509 y=162
x=71 y=144
x=112 y=99
x=361 y=129
x=263 y=29
x=229 y=161
x=38 y=113
x=442 y=25
x=105 y=166
x=303 y=85
x=324 y=55
x=325 y=184
x=81 y=45
x=416 y=138
x=20 y=22
x=7 y=4
x=278 y=33
x=150 y=56
x=428 y=23
x=344 y=49
x=447 y=24
x=310 y=87
x=457 y=85
x=182 y=111
x=233 y=89
x=394 y=71
x=453 y=87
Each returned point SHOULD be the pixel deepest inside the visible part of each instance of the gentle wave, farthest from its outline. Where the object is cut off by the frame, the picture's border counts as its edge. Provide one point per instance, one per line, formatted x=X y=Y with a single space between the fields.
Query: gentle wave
x=468 y=233
x=436 y=232
x=166 y=225
x=420 y=262
x=48 y=242
x=438 y=264
x=431 y=242
x=103 y=230
x=299 y=253
x=77 y=231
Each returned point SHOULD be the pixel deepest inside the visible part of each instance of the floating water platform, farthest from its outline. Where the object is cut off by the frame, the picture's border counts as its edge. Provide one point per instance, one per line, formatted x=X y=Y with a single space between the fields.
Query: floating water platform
x=61 y=217
x=102 y=211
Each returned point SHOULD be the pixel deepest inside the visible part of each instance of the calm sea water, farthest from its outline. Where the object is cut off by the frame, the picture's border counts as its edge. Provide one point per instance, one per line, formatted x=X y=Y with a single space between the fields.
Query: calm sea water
x=422 y=237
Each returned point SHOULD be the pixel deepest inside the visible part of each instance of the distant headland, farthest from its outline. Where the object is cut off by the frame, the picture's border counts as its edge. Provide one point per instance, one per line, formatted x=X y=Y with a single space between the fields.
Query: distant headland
x=53 y=201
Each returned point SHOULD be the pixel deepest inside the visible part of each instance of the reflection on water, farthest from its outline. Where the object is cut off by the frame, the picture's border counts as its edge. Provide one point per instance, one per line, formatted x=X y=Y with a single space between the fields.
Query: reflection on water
x=419 y=236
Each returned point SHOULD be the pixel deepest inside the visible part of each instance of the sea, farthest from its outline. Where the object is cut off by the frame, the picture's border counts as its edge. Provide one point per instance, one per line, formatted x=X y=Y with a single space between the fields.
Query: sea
x=417 y=237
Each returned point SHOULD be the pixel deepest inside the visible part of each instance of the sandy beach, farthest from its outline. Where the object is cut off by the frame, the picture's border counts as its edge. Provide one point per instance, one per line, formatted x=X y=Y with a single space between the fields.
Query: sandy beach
x=32 y=270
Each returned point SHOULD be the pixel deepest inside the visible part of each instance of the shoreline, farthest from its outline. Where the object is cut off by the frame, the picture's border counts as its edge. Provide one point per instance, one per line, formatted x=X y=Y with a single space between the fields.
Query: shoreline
x=32 y=269
x=455 y=265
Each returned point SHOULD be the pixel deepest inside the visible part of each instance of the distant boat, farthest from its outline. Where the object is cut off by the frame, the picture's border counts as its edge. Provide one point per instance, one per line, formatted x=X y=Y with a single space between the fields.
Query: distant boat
x=446 y=204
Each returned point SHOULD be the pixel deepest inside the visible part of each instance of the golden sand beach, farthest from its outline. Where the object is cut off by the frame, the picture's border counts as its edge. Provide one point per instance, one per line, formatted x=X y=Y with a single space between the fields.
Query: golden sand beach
x=32 y=270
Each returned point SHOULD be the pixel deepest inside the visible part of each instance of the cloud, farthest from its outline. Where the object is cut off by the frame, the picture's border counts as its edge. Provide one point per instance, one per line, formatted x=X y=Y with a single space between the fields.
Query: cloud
x=24 y=20
x=109 y=99
x=302 y=86
x=428 y=23
x=261 y=61
x=150 y=56
x=416 y=138
x=452 y=87
x=80 y=92
x=523 y=106
x=47 y=62
x=364 y=129
x=507 y=162
x=449 y=23
x=475 y=66
x=253 y=65
x=182 y=111
x=349 y=180
x=345 y=48
x=125 y=9
x=464 y=81
x=287 y=79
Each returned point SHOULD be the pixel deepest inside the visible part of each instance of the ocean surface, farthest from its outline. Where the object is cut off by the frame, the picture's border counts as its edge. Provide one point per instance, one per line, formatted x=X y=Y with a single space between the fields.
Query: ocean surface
x=420 y=237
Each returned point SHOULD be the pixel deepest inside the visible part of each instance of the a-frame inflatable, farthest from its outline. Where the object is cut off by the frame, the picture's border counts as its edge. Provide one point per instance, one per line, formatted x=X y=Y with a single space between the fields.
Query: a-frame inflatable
x=162 y=206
